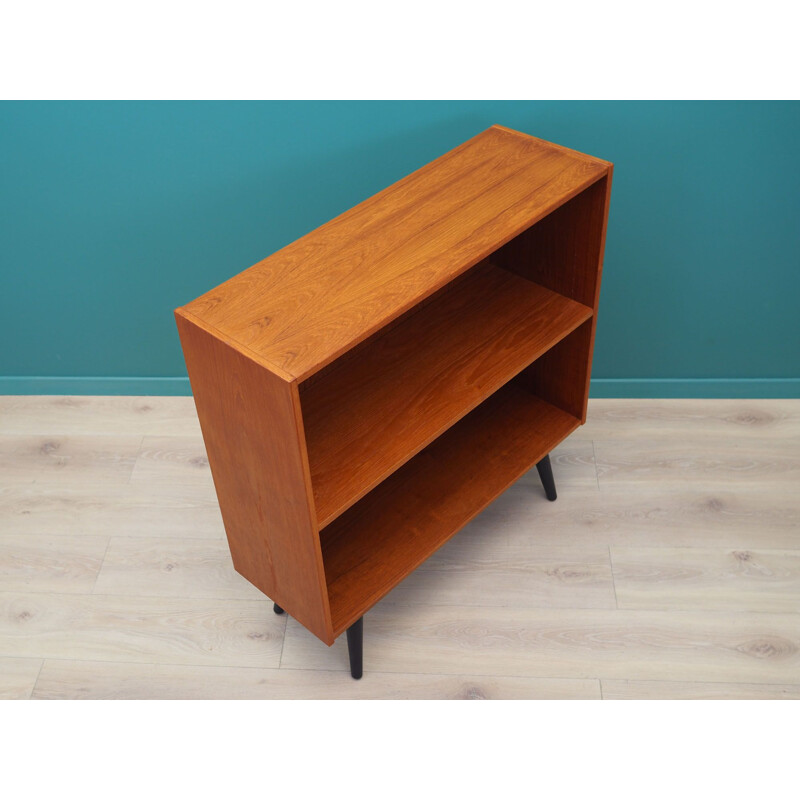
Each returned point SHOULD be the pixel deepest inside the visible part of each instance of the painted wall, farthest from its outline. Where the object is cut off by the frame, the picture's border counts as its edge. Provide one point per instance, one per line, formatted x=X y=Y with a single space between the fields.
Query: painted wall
x=112 y=214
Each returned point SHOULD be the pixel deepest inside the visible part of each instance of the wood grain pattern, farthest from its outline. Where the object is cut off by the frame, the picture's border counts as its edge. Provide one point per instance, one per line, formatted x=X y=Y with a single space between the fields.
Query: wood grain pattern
x=689 y=419
x=521 y=576
x=404 y=292
x=362 y=421
x=140 y=630
x=488 y=645
x=172 y=568
x=572 y=236
x=564 y=252
x=718 y=461
x=67 y=459
x=652 y=517
x=253 y=434
x=62 y=680
x=172 y=460
x=18 y=677
x=378 y=542
x=50 y=563
x=702 y=578
x=561 y=375
x=321 y=295
x=517 y=511
x=143 y=509
x=574 y=643
x=573 y=464
x=696 y=690
x=71 y=414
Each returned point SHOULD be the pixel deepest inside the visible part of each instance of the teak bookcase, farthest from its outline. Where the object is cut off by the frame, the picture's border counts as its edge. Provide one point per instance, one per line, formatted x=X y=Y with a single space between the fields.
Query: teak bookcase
x=368 y=389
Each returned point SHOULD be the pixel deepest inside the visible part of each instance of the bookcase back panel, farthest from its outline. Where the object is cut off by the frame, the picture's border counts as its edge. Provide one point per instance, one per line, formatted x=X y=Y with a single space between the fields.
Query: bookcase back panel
x=563 y=251
x=561 y=375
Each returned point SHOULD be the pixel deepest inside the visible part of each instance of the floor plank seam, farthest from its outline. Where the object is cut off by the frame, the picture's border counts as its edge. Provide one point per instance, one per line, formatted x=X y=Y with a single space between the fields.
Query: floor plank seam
x=613 y=578
x=25 y=658
x=129 y=482
x=344 y=670
x=283 y=640
x=398 y=604
x=181 y=664
x=102 y=564
x=736 y=613
x=721 y=682
x=594 y=460
x=322 y=670
x=262 y=601
x=36 y=682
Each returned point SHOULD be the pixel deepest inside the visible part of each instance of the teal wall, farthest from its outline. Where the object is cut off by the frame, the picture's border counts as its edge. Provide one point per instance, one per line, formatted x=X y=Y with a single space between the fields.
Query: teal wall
x=114 y=213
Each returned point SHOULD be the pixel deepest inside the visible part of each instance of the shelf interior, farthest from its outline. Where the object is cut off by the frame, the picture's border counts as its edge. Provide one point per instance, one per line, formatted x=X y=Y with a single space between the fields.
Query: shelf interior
x=367 y=414
x=372 y=546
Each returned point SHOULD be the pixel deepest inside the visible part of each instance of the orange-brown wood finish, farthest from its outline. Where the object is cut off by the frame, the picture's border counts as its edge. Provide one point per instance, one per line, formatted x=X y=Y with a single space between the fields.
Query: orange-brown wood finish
x=376 y=411
x=317 y=297
x=250 y=423
x=564 y=252
x=373 y=546
x=367 y=390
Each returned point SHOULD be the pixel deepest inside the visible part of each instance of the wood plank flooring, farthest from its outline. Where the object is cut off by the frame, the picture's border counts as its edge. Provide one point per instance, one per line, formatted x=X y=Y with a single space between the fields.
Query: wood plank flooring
x=668 y=568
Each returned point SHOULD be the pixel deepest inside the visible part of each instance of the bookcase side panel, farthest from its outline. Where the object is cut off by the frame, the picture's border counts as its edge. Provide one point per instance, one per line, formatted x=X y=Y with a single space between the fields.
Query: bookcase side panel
x=252 y=433
x=602 y=202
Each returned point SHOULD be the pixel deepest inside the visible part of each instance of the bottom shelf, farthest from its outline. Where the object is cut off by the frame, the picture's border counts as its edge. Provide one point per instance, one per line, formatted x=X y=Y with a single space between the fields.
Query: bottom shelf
x=370 y=548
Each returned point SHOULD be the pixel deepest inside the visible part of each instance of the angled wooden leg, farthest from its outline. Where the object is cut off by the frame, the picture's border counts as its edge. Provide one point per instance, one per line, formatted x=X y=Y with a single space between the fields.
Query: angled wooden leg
x=277 y=609
x=355 y=647
x=546 y=474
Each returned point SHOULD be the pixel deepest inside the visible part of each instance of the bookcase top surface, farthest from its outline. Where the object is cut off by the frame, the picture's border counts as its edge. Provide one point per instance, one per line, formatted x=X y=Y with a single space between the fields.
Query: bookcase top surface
x=314 y=299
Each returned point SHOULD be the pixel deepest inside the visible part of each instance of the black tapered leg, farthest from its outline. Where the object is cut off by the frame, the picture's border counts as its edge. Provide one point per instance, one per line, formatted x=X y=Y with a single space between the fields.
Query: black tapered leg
x=355 y=647
x=546 y=474
x=277 y=609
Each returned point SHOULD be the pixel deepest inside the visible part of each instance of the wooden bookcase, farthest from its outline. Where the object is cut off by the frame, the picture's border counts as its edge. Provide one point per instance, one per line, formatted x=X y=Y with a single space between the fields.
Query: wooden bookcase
x=368 y=389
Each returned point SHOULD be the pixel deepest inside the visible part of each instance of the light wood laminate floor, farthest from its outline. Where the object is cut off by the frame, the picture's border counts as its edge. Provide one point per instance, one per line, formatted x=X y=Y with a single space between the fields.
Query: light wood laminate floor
x=669 y=567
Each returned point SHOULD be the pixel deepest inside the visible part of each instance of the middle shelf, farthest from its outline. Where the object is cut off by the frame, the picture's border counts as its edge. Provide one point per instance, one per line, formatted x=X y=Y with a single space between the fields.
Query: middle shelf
x=374 y=409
